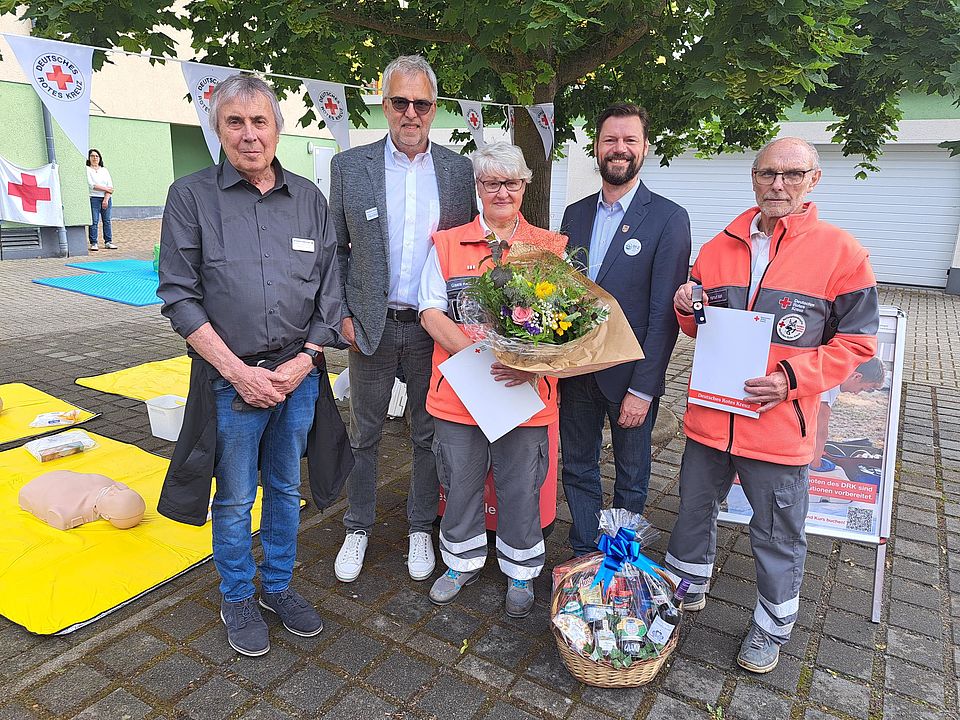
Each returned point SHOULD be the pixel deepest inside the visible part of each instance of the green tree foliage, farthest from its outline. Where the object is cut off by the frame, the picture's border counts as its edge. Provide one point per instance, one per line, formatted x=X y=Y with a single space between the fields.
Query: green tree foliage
x=716 y=76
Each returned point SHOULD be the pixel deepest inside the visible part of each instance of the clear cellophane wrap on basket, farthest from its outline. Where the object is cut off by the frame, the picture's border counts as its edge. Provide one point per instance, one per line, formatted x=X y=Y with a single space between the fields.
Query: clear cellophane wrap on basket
x=606 y=341
x=603 y=603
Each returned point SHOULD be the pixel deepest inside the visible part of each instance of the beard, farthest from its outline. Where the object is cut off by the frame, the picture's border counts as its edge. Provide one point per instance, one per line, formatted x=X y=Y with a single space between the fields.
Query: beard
x=620 y=176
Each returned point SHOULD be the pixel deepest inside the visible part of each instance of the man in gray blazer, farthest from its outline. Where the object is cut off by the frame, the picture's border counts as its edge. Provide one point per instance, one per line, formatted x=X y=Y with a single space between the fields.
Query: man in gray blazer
x=386 y=200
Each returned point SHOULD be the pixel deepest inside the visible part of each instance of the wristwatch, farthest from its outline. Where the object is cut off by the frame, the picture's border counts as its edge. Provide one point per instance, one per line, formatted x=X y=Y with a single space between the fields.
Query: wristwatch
x=311 y=352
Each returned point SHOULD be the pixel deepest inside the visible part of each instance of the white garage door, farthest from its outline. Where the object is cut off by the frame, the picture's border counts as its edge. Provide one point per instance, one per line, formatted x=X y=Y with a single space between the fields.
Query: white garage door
x=907 y=215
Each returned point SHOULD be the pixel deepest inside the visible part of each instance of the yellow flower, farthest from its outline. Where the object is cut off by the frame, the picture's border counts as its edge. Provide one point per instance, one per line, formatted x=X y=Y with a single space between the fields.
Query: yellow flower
x=544 y=289
x=564 y=326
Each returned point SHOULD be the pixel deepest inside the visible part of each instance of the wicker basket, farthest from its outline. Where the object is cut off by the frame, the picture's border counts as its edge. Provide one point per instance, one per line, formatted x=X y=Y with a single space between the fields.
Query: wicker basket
x=604 y=674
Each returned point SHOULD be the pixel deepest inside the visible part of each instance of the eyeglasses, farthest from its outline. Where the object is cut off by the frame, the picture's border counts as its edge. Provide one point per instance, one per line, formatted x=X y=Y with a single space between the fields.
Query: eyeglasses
x=493 y=186
x=400 y=104
x=790 y=177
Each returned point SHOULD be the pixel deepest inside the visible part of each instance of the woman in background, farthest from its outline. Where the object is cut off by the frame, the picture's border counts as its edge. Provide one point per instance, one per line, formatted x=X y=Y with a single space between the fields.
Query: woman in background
x=101 y=204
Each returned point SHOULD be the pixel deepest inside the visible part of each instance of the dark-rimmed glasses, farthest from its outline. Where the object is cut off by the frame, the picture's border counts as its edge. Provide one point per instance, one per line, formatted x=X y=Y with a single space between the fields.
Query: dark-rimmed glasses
x=493 y=186
x=400 y=104
x=790 y=177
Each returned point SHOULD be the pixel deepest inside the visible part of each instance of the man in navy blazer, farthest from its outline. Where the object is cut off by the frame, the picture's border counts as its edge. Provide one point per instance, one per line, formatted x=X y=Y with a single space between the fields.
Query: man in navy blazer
x=637 y=248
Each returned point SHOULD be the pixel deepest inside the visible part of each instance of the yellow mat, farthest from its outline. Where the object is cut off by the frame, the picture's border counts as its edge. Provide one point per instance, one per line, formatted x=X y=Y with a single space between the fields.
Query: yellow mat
x=55 y=581
x=22 y=403
x=149 y=380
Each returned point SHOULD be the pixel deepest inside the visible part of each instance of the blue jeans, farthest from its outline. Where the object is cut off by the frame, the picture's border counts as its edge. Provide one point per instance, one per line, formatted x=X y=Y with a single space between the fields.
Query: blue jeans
x=582 y=411
x=242 y=432
x=96 y=212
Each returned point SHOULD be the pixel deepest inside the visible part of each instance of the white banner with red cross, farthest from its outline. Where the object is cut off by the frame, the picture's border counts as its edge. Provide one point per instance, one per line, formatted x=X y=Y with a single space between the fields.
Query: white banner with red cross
x=201 y=82
x=31 y=197
x=330 y=102
x=61 y=74
x=473 y=114
x=542 y=116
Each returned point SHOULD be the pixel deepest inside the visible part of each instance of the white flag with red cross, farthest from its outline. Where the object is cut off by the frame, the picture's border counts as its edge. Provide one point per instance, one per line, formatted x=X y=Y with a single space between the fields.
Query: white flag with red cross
x=542 y=116
x=61 y=73
x=201 y=82
x=511 y=120
x=330 y=102
x=31 y=197
x=473 y=114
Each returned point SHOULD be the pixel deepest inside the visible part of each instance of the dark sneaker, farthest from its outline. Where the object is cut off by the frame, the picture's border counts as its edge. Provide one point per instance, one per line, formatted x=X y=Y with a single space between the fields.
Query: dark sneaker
x=448 y=586
x=110 y=246
x=694 y=601
x=246 y=631
x=519 y=600
x=758 y=652
x=296 y=614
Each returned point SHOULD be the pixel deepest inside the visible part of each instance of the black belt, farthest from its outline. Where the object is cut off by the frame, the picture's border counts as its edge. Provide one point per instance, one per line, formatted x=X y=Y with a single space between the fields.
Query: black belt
x=407 y=315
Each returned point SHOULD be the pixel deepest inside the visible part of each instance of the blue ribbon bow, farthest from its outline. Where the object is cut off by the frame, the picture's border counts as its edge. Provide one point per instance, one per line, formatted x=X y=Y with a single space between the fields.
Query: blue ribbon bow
x=620 y=549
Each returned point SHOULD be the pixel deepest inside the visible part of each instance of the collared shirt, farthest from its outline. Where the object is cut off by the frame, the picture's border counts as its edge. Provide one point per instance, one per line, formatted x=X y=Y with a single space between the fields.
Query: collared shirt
x=260 y=268
x=605 y=225
x=433 y=286
x=413 y=214
x=759 y=255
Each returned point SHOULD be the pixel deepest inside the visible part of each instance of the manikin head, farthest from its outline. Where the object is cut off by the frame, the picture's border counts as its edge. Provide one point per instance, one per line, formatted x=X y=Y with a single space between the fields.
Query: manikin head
x=120 y=506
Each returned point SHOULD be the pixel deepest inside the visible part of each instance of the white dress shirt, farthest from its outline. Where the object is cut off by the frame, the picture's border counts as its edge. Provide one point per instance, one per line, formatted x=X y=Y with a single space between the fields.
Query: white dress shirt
x=759 y=255
x=605 y=226
x=413 y=214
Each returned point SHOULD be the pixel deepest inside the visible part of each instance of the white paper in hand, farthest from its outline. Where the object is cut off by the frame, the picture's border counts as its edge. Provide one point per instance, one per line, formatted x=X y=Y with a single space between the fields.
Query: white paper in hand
x=732 y=347
x=496 y=408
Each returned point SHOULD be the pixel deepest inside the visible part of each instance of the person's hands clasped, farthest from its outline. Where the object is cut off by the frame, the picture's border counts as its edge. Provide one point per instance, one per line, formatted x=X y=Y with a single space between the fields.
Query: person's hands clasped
x=769 y=391
x=683 y=298
x=290 y=374
x=633 y=411
x=510 y=376
x=256 y=386
x=349 y=333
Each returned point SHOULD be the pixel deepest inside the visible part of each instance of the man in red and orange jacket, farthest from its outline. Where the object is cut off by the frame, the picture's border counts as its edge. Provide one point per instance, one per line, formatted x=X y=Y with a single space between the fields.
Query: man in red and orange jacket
x=777 y=258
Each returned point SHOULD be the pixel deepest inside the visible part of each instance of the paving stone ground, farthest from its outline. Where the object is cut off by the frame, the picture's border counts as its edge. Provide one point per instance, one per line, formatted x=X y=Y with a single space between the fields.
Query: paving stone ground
x=387 y=652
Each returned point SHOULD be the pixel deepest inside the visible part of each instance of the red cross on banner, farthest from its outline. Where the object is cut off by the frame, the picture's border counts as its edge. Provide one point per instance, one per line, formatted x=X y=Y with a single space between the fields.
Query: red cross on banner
x=29 y=192
x=208 y=92
x=785 y=303
x=61 y=78
x=331 y=105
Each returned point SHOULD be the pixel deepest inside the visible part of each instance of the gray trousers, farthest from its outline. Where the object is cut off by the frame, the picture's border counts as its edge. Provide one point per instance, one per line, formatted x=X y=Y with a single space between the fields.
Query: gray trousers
x=519 y=460
x=778 y=496
x=371 y=382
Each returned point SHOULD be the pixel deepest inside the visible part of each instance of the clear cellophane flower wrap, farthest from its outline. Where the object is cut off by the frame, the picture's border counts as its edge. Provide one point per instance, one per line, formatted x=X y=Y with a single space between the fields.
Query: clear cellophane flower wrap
x=604 y=603
x=538 y=313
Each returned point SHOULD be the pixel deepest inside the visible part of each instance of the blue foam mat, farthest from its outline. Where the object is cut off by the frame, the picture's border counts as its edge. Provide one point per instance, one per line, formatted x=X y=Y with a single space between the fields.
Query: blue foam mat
x=136 y=288
x=106 y=266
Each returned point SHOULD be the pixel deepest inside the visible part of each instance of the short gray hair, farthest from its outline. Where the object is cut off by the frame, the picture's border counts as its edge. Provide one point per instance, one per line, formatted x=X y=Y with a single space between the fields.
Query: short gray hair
x=407 y=65
x=243 y=87
x=500 y=158
x=814 y=155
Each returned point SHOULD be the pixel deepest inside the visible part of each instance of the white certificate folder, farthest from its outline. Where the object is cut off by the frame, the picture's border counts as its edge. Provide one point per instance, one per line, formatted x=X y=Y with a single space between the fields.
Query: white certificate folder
x=732 y=347
x=497 y=409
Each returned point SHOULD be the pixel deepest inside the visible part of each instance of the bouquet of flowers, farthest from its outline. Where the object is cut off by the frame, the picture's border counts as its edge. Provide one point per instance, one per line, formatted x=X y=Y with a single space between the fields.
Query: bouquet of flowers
x=538 y=313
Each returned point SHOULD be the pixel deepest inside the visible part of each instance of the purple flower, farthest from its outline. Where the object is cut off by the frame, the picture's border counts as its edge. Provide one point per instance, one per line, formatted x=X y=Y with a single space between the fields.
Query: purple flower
x=532 y=328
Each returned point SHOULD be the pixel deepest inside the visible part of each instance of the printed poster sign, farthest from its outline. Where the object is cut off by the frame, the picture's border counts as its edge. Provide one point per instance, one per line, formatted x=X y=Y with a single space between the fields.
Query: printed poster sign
x=851 y=478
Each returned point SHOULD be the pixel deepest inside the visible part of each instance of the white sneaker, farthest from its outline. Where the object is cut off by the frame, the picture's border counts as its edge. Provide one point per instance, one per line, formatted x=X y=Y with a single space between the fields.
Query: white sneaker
x=349 y=560
x=420 y=557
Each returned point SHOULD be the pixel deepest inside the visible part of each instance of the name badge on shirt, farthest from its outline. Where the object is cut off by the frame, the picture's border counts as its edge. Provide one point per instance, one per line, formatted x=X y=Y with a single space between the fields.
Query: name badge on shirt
x=372 y=213
x=302 y=244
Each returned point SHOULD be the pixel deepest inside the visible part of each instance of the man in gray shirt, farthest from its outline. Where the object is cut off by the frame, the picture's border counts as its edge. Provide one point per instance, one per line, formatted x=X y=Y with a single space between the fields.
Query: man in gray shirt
x=248 y=276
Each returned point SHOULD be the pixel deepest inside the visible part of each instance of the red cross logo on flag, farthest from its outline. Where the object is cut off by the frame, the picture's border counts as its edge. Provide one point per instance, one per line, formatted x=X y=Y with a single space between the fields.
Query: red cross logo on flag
x=785 y=303
x=29 y=192
x=208 y=93
x=330 y=106
x=756 y=318
x=203 y=91
x=544 y=119
x=61 y=78
x=474 y=119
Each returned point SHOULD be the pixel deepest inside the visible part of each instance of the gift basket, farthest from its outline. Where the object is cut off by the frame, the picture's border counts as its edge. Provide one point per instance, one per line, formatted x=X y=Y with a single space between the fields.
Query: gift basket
x=615 y=614
x=537 y=313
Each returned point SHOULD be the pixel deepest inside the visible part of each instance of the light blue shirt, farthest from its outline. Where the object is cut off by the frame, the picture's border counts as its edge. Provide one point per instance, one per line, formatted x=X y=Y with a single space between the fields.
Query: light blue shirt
x=605 y=226
x=413 y=213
